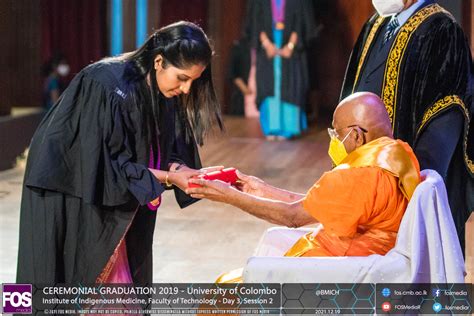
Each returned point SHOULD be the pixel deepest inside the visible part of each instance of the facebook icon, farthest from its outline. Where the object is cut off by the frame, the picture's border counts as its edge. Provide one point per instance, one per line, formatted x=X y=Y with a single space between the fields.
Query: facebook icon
x=436 y=292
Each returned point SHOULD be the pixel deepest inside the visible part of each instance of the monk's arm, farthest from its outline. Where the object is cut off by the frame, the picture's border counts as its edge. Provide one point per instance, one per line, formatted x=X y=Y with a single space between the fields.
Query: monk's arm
x=257 y=187
x=277 y=211
x=274 y=193
x=290 y=214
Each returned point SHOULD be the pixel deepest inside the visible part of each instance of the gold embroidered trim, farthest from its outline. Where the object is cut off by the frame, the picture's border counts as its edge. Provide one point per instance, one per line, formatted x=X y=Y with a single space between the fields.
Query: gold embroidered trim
x=469 y=162
x=397 y=52
x=367 y=45
x=443 y=104
x=439 y=106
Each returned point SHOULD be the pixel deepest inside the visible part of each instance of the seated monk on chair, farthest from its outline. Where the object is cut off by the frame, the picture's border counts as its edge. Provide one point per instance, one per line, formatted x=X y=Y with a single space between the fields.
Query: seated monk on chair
x=360 y=202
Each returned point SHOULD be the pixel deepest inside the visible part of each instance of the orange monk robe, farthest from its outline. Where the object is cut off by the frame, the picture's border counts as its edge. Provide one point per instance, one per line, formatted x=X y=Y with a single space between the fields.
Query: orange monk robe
x=361 y=202
x=360 y=209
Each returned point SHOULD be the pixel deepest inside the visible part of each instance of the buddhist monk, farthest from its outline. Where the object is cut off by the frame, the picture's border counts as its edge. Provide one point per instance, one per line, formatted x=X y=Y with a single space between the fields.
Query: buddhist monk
x=360 y=202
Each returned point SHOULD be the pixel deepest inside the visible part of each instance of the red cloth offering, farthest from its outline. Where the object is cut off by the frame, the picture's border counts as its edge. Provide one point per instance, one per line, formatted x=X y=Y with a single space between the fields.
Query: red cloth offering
x=228 y=175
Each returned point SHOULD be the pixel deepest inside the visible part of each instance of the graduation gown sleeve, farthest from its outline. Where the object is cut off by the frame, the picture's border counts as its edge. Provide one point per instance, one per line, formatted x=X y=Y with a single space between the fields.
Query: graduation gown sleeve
x=86 y=146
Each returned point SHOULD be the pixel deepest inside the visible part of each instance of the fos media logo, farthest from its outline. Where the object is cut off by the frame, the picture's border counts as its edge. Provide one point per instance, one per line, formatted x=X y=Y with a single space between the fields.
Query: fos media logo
x=16 y=298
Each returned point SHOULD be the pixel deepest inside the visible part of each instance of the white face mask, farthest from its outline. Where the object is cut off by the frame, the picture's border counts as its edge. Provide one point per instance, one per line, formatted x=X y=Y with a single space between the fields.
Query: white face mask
x=63 y=70
x=388 y=7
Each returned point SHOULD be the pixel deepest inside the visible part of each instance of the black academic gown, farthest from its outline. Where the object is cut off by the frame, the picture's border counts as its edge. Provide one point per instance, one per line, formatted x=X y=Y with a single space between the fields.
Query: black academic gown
x=87 y=183
x=424 y=79
x=299 y=18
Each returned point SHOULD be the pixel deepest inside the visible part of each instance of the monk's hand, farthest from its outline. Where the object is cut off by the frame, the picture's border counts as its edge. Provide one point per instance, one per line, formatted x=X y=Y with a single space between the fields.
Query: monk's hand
x=250 y=184
x=181 y=177
x=214 y=190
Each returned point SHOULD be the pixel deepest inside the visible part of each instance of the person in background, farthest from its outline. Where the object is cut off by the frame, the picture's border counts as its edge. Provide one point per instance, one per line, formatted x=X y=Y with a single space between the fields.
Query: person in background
x=53 y=71
x=280 y=32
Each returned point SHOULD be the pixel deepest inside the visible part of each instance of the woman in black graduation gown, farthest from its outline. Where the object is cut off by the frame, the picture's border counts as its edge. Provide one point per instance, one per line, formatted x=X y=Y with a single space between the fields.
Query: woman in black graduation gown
x=124 y=130
x=290 y=22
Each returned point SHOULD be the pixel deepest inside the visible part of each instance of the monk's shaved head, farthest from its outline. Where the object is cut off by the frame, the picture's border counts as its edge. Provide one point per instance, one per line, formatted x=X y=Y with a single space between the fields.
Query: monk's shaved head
x=366 y=110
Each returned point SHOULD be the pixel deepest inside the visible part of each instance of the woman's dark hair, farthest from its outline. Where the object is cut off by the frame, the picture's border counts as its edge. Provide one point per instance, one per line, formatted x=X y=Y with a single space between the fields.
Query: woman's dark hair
x=182 y=45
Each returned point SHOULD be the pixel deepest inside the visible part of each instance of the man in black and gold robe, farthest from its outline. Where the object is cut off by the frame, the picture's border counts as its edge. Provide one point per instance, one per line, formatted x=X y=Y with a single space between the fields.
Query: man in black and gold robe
x=418 y=61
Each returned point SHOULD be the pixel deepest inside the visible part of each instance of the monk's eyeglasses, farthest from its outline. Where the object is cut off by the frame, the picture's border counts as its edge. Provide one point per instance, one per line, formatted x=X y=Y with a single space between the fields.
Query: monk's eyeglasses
x=333 y=132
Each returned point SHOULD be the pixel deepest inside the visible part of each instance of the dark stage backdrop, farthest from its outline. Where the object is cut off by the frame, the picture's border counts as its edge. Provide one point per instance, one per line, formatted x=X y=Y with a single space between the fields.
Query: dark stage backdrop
x=195 y=11
x=19 y=56
x=33 y=30
x=75 y=28
x=339 y=23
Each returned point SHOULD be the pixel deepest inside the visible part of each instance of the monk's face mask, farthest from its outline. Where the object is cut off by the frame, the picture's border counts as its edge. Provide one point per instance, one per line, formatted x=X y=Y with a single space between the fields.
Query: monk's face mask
x=337 y=151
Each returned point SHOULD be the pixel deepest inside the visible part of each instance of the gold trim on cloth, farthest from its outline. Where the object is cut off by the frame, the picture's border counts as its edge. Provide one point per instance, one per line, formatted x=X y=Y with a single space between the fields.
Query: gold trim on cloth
x=469 y=162
x=396 y=54
x=234 y=276
x=390 y=155
x=441 y=105
x=367 y=45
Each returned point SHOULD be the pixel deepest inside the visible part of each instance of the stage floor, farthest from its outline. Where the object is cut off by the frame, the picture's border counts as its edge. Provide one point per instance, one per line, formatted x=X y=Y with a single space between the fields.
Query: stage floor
x=200 y=242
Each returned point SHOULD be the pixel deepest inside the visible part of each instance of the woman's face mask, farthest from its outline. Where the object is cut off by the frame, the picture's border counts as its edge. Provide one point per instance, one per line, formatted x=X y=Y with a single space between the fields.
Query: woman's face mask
x=337 y=151
x=388 y=7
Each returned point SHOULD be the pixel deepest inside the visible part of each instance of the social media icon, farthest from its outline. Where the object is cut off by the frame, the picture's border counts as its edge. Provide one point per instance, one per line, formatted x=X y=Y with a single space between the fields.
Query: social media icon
x=437 y=307
x=436 y=292
x=386 y=306
x=386 y=292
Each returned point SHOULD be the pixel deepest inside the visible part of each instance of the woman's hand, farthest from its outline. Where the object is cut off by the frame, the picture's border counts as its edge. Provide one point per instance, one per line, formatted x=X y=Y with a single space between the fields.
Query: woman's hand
x=250 y=184
x=287 y=50
x=268 y=46
x=181 y=177
x=270 y=50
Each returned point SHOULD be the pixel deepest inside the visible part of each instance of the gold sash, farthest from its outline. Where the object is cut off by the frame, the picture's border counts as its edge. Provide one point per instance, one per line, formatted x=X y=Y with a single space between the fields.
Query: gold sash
x=392 y=156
